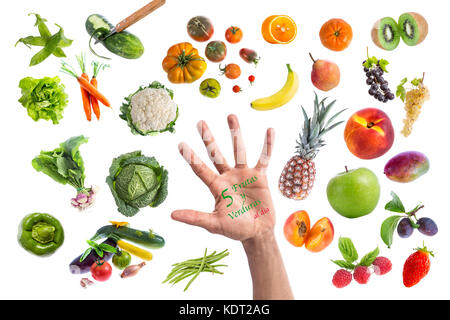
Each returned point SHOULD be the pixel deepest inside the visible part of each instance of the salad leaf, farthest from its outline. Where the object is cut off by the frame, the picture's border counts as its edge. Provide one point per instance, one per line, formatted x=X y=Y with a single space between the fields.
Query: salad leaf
x=43 y=98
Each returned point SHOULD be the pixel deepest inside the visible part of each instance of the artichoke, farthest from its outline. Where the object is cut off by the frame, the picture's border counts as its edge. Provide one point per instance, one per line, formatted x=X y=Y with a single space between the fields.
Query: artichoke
x=136 y=182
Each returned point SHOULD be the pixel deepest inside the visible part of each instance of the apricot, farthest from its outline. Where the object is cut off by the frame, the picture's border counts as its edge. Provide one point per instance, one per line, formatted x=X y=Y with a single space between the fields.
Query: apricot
x=320 y=236
x=369 y=133
x=296 y=228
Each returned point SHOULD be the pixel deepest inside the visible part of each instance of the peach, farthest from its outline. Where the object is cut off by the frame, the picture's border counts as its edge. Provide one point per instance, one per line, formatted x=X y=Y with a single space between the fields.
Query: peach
x=296 y=228
x=320 y=236
x=369 y=133
x=325 y=74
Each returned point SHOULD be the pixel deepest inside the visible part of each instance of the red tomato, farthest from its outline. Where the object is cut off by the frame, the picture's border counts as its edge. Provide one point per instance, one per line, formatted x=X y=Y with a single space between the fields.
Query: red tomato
x=237 y=89
x=233 y=34
x=101 y=270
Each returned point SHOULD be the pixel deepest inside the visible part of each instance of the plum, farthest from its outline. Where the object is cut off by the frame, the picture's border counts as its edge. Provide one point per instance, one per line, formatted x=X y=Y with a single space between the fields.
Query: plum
x=427 y=226
x=404 y=228
x=407 y=166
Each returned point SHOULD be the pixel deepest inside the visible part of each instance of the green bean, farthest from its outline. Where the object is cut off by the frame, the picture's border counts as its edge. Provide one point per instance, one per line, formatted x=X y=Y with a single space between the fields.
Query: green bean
x=194 y=267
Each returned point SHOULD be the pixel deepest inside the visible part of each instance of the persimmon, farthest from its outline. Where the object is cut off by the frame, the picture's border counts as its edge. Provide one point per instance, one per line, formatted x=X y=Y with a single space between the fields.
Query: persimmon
x=296 y=228
x=336 y=34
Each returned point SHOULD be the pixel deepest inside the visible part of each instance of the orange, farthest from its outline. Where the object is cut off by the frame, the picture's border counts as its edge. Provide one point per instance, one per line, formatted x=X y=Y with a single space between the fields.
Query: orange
x=279 y=29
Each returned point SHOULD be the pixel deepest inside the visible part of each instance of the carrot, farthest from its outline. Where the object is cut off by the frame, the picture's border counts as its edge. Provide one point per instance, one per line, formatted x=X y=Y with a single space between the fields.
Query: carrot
x=94 y=101
x=84 y=94
x=85 y=84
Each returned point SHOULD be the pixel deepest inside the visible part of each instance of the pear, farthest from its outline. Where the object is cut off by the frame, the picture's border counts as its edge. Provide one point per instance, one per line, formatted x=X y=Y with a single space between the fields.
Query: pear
x=325 y=74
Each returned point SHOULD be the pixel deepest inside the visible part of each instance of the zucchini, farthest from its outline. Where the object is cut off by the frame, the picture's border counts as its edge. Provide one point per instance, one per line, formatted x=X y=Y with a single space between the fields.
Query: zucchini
x=123 y=44
x=146 y=239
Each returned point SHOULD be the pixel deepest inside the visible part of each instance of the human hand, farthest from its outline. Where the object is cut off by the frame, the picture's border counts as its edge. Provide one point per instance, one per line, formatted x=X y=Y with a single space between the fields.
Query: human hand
x=243 y=204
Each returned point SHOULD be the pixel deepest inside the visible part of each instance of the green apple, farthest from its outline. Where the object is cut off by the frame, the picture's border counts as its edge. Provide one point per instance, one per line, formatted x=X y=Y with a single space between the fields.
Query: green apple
x=354 y=193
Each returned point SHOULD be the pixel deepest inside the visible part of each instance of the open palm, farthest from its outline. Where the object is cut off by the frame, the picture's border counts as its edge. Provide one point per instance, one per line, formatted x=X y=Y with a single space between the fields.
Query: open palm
x=243 y=204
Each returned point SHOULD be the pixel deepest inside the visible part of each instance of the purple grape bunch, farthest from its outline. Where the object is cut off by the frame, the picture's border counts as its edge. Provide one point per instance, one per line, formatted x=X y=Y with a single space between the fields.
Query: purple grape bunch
x=379 y=87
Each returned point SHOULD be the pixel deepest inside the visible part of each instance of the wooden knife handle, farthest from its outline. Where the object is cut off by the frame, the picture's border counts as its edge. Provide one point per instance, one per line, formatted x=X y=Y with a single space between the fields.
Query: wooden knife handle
x=138 y=15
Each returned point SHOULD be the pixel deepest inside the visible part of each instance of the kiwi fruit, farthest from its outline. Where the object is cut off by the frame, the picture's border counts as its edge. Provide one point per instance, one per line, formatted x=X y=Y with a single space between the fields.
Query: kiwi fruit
x=386 y=33
x=413 y=28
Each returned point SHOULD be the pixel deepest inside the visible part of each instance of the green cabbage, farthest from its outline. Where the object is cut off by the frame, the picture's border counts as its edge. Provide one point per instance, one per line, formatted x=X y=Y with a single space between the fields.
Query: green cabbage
x=136 y=182
x=43 y=98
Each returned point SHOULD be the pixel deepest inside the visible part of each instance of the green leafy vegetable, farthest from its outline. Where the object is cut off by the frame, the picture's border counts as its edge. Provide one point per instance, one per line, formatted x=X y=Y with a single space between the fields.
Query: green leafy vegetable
x=43 y=98
x=193 y=268
x=350 y=255
x=126 y=112
x=52 y=44
x=137 y=181
x=65 y=165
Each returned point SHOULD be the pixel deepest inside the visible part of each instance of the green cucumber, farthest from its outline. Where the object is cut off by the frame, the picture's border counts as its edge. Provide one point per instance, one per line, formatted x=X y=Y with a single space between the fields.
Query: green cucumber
x=123 y=44
x=146 y=239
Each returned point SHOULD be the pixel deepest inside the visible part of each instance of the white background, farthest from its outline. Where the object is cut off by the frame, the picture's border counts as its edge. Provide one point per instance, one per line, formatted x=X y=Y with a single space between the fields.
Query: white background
x=24 y=191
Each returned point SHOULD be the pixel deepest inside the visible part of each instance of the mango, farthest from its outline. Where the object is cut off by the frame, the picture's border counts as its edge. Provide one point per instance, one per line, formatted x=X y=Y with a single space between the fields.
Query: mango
x=407 y=166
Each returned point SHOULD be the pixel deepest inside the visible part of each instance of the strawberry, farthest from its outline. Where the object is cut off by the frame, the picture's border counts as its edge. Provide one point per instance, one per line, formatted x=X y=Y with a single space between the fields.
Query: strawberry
x=416 y=267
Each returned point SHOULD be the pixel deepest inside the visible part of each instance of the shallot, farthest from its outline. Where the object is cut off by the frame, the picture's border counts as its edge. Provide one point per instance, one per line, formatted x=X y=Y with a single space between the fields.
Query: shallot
x=131 y=271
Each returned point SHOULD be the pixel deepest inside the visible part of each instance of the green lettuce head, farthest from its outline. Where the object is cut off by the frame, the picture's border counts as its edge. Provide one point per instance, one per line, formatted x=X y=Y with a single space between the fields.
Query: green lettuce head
x=43 y=98
x=136 y=182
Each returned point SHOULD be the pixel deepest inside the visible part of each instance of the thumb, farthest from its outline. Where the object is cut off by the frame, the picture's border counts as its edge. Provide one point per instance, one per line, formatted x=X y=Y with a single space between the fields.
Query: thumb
x=204 y=220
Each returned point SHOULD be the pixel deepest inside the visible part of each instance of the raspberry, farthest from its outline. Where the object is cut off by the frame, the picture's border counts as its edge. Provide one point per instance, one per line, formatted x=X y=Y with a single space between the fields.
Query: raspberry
x=381 y=266
x=342 y=278
x=361 y=274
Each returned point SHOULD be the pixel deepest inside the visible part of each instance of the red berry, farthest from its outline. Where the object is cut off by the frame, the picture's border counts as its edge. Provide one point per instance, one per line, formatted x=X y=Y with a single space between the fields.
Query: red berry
x=361 y=274
x=416 y=267
x=342 y=278
x=236 y=89
x=381 y=266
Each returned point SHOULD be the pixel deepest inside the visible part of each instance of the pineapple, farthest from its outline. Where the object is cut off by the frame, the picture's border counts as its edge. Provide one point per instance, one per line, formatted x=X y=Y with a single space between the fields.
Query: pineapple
x=299 y=174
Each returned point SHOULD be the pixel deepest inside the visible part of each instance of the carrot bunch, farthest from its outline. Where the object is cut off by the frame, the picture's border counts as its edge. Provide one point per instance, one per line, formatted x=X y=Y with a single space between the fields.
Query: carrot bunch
x=89 y=92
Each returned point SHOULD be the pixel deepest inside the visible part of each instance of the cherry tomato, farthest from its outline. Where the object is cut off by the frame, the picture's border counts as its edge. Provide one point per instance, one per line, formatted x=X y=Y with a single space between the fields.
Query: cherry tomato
x=251 y=79
x=231 y=71
x=233 y=34
x=101 y=270
x=237 y=89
